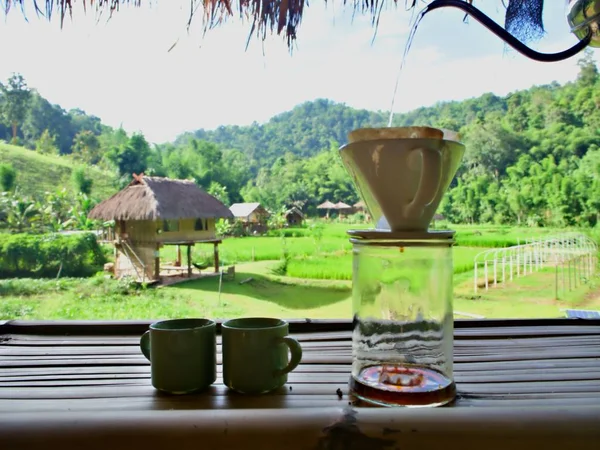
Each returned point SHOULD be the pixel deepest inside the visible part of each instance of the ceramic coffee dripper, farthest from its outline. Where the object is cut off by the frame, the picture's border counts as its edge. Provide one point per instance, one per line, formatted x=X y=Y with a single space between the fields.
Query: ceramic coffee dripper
x=402 y=173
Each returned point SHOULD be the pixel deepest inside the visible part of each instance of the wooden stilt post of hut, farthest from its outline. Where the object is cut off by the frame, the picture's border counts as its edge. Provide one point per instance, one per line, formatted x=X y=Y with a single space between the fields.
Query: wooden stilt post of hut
x=216 y=257
x=189 y=260
x=157 y=261
x=178 y=256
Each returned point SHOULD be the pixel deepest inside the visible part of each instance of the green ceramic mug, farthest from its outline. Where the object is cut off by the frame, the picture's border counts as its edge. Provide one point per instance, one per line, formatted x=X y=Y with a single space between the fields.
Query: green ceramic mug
x=182 y=354
x=255 y=354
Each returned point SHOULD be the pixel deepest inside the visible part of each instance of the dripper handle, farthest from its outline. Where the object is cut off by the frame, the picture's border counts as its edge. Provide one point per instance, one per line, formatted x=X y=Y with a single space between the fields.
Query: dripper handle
x=429 y=182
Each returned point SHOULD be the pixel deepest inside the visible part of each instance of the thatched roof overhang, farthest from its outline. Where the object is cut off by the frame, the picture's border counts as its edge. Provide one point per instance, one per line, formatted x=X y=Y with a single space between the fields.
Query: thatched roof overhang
x=154 y=198
x=523 y=18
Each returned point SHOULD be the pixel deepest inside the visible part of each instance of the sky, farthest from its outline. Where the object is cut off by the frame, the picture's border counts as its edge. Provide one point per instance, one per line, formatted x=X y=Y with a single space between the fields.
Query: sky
x=122 y=71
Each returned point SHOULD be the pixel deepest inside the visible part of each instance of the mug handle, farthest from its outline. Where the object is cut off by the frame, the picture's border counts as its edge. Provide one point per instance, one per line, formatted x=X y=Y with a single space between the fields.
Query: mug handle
x=295 y=350
x=431 y=169
x=145 y=344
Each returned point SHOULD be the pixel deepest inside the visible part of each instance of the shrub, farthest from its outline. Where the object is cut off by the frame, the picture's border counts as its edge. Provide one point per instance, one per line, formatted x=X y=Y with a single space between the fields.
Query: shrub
x=8 y=176
x=81 y=181
x=43 y=256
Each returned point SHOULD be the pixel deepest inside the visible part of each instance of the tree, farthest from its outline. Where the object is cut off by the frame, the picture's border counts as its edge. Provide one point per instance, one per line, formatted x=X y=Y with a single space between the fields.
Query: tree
x=8 y=177
x=86 y=146
x=46 y=144
x=588 y=72
x=219 y=192
x=129 y=157
x=15 y=102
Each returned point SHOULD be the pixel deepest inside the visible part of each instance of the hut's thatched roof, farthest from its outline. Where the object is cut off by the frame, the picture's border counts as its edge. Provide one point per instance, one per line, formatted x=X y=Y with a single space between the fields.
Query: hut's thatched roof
x=152 y=198
x=523 y=18
x=294 y=210
x=342 y=205
x=326 y=205
x=359 y=204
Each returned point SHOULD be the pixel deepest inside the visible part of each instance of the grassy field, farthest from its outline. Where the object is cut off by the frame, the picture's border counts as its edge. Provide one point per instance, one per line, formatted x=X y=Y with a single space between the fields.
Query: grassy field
x=316 y=284
x=38 y=173
x=264 y=295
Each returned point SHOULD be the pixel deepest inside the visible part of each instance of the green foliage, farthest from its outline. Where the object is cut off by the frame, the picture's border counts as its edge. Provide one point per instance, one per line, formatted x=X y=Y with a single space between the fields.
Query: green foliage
x=86 y=146
x=222 y=227
x=129 y=156
x=46 y=144
x=238 y=229
x=55 y=211
x=291 y=232
x=49 y=255
x=8 y=177
x=276 y=220
x=82 y=181
x=219 y=192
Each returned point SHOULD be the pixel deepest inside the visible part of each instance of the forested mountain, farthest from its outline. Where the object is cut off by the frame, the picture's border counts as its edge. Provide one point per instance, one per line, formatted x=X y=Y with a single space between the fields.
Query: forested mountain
x=304 y=131
x=310 y=127
x=29 y=119
x=533 y=157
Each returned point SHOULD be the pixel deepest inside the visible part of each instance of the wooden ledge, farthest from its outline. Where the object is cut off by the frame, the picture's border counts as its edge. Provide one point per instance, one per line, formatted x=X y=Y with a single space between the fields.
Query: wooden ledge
x=322 y=428
x=504 y=327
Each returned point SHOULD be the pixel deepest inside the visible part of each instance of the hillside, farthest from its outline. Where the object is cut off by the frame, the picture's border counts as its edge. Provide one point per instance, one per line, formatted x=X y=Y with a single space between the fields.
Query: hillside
x=533 y=156
x=310 y=127
x=38 y=173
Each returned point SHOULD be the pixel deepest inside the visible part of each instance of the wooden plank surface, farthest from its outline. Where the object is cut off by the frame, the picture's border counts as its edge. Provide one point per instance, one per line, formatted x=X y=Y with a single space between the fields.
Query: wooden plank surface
x=521 y=385
x=536 y=363
x=74 y=369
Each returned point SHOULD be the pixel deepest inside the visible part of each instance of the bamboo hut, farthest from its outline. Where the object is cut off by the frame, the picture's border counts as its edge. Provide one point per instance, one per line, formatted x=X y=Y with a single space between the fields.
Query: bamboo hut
x=152 y=212
x=252 y=215
x=294 y=216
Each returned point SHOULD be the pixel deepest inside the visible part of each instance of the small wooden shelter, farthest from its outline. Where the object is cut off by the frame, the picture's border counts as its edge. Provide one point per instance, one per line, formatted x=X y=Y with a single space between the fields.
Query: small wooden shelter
x=152 y=212
x=253 y=213
x=343 y=208
x=326 y=205
x=294 y=216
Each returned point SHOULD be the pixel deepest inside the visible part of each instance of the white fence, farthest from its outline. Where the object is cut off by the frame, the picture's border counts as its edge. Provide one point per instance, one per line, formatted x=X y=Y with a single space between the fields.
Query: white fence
x=573 y=255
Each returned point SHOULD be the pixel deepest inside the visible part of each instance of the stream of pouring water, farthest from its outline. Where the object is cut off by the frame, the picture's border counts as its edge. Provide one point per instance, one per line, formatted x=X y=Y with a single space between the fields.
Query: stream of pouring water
x=409 y=41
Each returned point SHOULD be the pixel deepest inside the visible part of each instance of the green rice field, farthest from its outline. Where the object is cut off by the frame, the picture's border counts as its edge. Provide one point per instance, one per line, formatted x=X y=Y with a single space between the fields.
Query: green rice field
x=300 y=272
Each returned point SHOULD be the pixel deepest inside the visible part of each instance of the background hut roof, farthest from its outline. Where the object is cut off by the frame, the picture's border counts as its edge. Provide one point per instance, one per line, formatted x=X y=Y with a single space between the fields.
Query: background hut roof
x=523 y=18
x=294 y=210
x=359 y=204
x=160 y=198
x=342 y=205
x=326 y=205
x=245 y=209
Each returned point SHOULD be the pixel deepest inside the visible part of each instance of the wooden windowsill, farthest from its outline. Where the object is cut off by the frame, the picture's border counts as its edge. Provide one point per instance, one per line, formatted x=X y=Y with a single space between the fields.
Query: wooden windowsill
x=522 y=384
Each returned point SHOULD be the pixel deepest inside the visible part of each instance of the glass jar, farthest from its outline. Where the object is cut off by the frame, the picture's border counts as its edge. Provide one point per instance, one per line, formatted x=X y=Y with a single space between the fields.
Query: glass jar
x=402 y=341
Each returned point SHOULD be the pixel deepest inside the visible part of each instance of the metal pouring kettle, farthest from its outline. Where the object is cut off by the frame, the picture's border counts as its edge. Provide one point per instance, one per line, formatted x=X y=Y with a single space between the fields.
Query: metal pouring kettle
x=583 y=18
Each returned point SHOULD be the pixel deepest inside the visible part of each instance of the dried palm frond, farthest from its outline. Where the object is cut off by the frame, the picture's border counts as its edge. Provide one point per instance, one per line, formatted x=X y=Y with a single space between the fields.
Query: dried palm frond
x=523 y=17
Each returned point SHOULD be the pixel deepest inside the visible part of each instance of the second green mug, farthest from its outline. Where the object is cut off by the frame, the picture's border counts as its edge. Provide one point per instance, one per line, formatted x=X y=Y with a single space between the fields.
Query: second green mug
x=255 y=354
